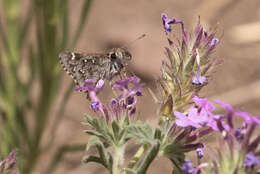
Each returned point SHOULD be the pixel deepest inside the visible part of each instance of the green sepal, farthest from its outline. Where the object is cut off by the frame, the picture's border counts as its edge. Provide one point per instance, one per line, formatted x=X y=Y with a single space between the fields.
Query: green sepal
x=190 y=64
x=116 y=130
x=126 y=120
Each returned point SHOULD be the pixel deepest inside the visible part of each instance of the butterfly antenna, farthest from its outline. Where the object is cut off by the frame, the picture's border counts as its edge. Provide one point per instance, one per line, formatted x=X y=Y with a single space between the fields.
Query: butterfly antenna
x=130 y=43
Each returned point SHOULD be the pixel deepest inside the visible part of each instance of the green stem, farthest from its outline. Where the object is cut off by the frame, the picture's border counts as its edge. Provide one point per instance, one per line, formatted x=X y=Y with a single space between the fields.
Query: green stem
x=118 y=159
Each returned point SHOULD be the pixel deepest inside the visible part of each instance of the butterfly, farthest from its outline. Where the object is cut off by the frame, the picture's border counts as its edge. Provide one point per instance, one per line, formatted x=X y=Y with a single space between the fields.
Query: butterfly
x=105 y=66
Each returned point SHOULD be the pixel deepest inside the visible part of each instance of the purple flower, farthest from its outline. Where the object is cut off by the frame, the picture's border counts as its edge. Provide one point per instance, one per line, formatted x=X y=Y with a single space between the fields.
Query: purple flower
x=199 y=153
x=243 y=136
x=92 y=88
x=198 y=79
x=95 y=105
x=203 y=103
x=131 y=88
x=199 y=116
x=211 y=44
x=251 y=160
x=187 y=168
x=90 y=85
x=239 y=134
x=248 y=118
x=214 y=42
x=167 y=21
x=184 y=121
x=196 y=118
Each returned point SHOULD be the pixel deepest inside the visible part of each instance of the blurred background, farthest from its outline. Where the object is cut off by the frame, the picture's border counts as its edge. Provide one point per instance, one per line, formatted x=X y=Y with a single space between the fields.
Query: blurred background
x=41 y=115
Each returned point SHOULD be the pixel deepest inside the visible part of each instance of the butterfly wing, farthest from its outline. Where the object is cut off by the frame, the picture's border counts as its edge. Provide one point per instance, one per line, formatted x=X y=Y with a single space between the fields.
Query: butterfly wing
x=84 y=66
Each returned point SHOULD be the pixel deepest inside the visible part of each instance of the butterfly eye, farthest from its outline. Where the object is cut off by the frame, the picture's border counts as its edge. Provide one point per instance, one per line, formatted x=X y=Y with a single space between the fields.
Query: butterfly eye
x=113 y=56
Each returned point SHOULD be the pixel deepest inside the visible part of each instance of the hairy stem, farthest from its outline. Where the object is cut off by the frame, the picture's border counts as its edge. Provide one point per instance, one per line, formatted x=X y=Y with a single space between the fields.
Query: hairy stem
x=118 y=159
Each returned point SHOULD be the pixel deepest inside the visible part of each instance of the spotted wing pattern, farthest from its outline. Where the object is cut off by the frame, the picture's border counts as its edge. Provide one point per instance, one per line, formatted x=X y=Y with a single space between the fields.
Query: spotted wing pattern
x=85 y=66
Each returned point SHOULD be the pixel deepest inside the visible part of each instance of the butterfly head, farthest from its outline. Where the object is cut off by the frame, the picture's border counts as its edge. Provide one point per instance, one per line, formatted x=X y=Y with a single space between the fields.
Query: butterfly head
x=119 y=58
x=121 y=54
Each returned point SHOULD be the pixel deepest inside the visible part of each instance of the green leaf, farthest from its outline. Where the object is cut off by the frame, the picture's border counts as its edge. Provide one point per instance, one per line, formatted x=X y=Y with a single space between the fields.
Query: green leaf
x=95 y=133
x=87 y=159
x=93 y=141
x=103 y=129
x=142 y=132
x=150 y=156
x=100 y=127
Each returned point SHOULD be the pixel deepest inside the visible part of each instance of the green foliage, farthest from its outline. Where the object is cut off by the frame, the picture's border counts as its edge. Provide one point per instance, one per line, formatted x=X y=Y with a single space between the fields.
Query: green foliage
x=115 y=134
x=39 y=56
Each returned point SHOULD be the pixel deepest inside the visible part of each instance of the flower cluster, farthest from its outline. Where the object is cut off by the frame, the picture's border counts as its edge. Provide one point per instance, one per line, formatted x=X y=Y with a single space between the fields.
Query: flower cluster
x=130 y=88
x=189 y=64
x=124 y=103
x=240 y=141
x=7 y=166
x=186 y=130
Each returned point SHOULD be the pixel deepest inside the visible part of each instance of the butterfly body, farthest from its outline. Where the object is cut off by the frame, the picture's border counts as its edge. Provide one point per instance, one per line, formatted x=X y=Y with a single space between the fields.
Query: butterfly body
x=81 y=66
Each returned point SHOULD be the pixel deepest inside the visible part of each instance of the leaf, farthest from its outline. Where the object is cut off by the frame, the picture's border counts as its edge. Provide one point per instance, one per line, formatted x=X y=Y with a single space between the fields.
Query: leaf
x=87 y=159
x=174 y=151
x=100 y=127
x=93 y=141
x=142 y=132
x=95 y=159
x=150 y=156
x=95 y=133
